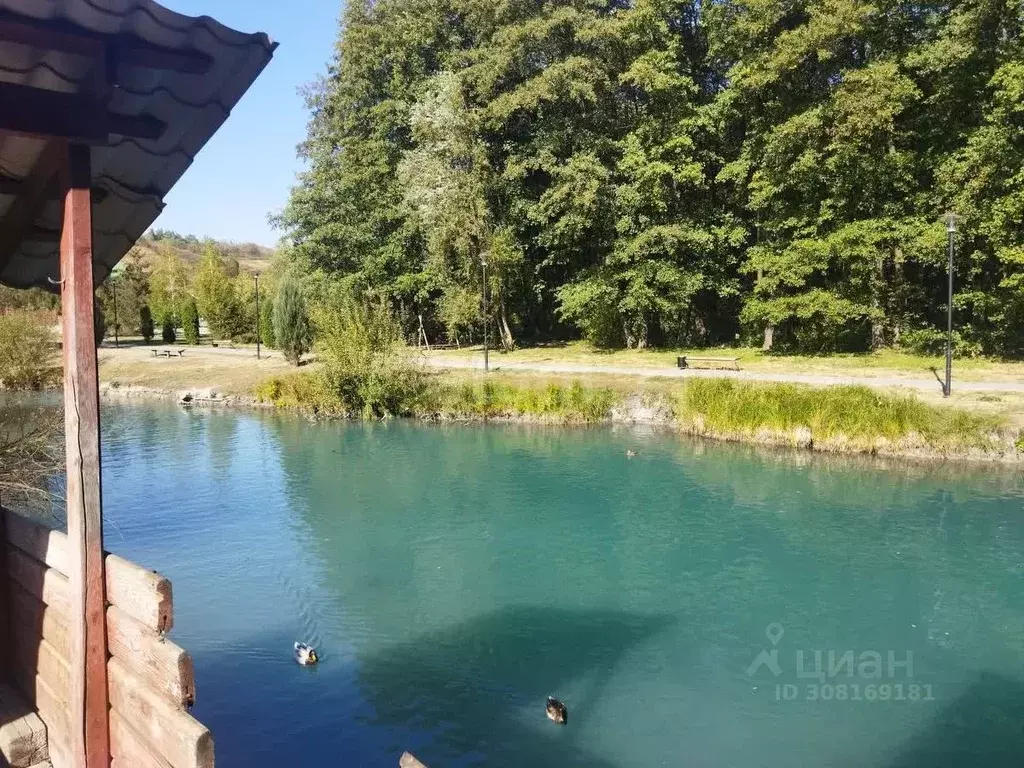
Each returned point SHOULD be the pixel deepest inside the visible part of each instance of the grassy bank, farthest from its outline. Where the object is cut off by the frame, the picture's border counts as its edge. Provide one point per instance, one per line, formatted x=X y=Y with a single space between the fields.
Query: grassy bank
x=885 y=363
x=842 y=419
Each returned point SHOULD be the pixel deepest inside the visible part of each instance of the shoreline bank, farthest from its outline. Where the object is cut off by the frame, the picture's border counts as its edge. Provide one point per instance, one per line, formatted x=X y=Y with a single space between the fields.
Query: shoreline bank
x=639 y=409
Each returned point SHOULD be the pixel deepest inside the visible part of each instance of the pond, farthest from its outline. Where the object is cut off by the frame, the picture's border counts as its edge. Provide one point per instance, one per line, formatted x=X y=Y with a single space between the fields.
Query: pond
x=681 y=602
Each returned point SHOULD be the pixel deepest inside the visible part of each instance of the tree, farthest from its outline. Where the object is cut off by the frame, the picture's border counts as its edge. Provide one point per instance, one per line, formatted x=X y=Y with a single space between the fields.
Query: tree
x=169 y=287
x=291 y=321
x=167 y=332
x=146 y=323
x=190 y=322
x=215 y=295
x=130 y=282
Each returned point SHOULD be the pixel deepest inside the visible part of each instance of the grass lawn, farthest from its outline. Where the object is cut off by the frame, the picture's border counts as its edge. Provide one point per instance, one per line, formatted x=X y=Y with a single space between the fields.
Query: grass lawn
x=884 y=364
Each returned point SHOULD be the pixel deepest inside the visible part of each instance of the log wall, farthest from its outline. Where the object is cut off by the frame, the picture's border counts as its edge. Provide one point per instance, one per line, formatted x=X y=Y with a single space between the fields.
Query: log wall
x=150 y=680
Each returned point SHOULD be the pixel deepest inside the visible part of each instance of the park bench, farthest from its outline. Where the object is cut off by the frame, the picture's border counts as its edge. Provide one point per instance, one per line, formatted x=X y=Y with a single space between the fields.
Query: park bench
x=168 y=352
x=688 y=361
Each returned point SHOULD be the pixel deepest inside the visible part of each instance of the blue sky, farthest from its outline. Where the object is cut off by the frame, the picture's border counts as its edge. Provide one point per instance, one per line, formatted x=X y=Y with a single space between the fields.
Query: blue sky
x=246 y=170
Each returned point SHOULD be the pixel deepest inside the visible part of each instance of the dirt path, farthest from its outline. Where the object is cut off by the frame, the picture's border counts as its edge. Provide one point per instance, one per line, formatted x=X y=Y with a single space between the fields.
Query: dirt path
x=880 y=382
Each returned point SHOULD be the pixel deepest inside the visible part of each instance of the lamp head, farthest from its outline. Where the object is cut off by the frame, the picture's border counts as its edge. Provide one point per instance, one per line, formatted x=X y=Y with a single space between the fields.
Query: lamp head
x=951 y=220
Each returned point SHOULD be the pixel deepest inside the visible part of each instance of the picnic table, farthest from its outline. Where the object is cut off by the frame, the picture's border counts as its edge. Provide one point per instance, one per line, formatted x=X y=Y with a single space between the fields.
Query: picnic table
x=689 y=361
x=168 y=352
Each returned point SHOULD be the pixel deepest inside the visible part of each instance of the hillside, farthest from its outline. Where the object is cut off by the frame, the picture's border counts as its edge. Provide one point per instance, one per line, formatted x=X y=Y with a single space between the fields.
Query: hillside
x=189 y=248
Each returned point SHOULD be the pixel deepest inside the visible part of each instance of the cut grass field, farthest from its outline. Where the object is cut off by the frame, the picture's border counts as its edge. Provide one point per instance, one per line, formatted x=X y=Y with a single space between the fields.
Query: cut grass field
x=883 y=364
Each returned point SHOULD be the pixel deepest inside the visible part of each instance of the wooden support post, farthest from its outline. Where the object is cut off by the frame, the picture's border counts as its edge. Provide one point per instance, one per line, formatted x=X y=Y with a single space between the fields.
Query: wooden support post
x=89 y=737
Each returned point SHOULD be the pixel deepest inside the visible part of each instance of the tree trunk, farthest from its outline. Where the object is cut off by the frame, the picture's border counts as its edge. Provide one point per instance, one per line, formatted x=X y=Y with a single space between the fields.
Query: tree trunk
x=506 y=332
x=769 y=338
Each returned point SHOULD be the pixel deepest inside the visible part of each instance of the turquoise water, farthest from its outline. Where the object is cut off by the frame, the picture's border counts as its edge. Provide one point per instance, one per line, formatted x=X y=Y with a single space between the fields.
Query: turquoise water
x=453 y=577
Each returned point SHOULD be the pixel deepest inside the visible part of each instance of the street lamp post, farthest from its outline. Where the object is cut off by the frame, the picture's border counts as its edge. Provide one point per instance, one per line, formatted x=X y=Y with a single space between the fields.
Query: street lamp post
x=257 y=278
x=951 y=220
x=483 y=265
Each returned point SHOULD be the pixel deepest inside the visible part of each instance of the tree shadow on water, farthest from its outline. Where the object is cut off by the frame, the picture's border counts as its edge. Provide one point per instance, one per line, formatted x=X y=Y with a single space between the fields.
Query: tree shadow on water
x=475 y=692
x=983 y=726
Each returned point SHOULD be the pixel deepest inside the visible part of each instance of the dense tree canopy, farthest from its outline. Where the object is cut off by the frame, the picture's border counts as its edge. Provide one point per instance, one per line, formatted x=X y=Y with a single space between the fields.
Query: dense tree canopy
x=674 y=171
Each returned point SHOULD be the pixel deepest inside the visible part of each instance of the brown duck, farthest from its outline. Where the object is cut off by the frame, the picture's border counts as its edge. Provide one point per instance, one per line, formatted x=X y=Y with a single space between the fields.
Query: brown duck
x=557 y=711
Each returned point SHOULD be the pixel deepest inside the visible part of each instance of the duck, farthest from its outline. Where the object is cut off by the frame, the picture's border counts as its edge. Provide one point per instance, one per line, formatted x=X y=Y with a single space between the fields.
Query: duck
x=631 y=453
x=305 y=655
x=557 y=711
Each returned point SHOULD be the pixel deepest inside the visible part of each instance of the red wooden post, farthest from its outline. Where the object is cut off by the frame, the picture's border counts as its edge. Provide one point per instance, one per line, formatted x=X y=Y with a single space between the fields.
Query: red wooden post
x=88 y=695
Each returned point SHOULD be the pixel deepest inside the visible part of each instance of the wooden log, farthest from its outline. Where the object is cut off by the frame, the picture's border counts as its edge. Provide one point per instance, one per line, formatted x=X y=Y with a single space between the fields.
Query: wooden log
x=163 y=666
x=42 y=543
x=141 y=593
x=128 y=748
x=22 y=732
x=176 y=736
x=145 y=595
x=44 y=583
x=54 y=712
x=48 y=621
x=40 y=665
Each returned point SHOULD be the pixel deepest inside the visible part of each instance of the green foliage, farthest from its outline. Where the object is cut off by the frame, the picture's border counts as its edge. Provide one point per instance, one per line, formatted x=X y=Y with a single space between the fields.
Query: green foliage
x=190 y=322
x=167 y=331
x=291 y=321
x=729 y=407
x=498 y=399
x=267 y=335
x=215 y=295
x=125 y=290
x=673 y=172
x=146 y=323
x=364 y=360
x=28 y=351
x=99 y=322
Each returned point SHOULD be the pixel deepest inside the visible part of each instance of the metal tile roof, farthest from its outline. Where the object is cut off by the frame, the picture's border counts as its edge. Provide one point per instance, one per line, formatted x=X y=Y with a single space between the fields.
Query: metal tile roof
x=135 y=174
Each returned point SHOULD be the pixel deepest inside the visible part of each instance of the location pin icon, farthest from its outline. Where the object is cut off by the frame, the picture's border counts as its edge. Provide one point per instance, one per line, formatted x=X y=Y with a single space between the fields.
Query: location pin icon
x=775 y=631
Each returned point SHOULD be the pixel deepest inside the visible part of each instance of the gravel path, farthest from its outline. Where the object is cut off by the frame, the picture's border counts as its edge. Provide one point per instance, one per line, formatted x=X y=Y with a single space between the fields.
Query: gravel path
x=932 y=384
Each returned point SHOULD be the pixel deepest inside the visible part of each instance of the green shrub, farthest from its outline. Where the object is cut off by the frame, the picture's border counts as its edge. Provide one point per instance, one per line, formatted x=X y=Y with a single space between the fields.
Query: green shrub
x=932 y=342
x=296 y=390
x=28 y=352
x=1020 y=444
x=364 y=360
x=291 y=321
x=728 y=406
x=190 y=322
x=497 y=399
x=99 y=322
x=167 y=332
x=146 y=323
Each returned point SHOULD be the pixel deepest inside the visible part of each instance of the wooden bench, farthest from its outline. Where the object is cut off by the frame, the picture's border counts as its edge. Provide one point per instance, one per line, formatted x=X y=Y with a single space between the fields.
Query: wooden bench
x=687 y=361
x=168 y=352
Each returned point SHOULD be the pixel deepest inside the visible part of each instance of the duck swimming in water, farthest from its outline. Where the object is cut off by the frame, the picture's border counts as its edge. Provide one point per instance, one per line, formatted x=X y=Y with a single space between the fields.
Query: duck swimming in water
x=557 y=711
x=305 y=655
x=631 y=453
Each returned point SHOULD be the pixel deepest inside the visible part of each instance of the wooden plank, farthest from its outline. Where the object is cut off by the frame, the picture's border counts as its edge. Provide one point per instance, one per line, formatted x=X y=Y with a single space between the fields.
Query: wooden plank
x=141 y=593
x=88 y=740
x=54 y=712
x=45 y=621
x=176 y=736
x=43 y=583
x=128 y=748
x=163 y=666
x=42 y=543
x=40 y=662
